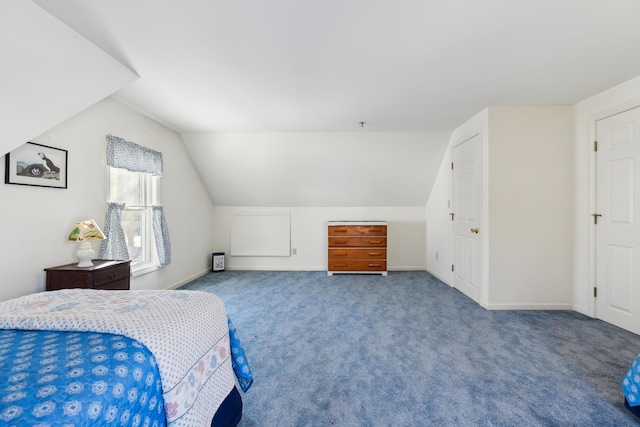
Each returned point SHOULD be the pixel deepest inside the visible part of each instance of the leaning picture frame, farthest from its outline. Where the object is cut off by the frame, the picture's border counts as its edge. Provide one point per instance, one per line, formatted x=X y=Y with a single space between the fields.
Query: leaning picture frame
x=37 y=165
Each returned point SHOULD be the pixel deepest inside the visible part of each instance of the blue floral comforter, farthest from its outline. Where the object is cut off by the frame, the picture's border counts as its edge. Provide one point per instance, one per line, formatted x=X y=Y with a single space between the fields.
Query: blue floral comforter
x=631 y=383
x=56 y=378
x=187 y=332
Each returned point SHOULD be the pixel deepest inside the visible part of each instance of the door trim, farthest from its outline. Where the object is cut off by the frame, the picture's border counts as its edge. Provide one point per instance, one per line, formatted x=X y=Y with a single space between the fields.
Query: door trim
x=593 y=130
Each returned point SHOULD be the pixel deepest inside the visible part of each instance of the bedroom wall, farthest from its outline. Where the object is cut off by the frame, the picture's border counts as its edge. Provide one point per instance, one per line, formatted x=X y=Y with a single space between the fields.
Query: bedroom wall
x=612 y=101
x=35 y=221
x=530 y=204
x=527 y=185
x=405 y=241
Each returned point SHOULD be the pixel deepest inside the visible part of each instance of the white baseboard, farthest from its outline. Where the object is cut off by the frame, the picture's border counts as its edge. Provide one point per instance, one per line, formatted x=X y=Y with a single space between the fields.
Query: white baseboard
x=529 y=306
x=439 y=277
x=189 y=279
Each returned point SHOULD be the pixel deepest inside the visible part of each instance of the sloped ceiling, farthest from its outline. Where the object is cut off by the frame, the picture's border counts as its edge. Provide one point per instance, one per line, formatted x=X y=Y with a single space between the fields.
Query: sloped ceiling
x=211 y=67
x=324 y=66
x=48 y=74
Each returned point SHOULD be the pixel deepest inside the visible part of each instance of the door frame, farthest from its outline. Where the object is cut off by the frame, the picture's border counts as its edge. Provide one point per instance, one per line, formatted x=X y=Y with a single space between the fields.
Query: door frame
x=482 y=132
x=593 y=182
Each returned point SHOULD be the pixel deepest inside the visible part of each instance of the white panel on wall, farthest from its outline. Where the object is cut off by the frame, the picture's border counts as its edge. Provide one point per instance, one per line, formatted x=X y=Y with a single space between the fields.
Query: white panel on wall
x=261 y=234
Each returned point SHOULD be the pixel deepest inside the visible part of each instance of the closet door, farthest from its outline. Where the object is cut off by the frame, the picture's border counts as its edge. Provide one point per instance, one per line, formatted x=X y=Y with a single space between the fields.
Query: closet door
x=618 y=220
x=467 y=210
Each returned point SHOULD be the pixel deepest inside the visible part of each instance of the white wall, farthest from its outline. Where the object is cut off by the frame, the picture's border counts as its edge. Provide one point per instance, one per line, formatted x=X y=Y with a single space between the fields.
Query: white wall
x=530 y=205
x=587 y=112
x=527 y=163
x=35 y=221
x=405 y=241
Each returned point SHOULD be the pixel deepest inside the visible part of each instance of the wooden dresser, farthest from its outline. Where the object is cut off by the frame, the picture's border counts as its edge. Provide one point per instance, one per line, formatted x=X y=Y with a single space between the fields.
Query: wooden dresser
x=104 y=274
x=357 y=247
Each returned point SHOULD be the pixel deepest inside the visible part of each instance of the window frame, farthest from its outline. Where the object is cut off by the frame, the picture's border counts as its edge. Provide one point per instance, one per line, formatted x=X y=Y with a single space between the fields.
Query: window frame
x=148 y=196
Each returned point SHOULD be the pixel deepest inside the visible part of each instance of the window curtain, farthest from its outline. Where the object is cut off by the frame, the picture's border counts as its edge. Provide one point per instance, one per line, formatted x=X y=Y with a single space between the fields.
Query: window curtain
x=161 y=234
x=115 y=244
x=133 y=157
x=136 y=158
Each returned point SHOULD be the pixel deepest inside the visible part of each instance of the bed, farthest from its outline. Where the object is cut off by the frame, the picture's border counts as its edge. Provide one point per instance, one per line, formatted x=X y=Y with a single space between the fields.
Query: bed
x=138 y=358
x=631 y=387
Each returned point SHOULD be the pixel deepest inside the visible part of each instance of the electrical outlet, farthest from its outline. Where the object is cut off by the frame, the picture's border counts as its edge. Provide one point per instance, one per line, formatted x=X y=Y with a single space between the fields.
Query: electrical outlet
x=294 y=251
x=436 y=255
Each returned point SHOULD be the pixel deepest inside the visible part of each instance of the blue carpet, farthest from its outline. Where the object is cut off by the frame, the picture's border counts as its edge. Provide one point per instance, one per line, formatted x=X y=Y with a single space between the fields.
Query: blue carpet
x=408 y=350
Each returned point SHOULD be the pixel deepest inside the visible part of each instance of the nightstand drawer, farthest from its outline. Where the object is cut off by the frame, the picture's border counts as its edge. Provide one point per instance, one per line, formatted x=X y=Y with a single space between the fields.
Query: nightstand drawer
x=103 y=279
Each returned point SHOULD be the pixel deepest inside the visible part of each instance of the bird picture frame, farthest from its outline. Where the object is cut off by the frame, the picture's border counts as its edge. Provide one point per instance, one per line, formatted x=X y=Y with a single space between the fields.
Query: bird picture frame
x=37 y=165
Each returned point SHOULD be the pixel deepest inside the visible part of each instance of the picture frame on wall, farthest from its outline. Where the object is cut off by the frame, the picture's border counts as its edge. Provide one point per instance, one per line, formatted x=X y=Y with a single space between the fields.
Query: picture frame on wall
x=37 y=165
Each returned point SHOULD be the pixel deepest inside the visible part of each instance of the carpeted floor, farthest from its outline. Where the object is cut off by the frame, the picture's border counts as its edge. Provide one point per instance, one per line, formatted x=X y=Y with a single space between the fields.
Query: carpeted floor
x=408 y=350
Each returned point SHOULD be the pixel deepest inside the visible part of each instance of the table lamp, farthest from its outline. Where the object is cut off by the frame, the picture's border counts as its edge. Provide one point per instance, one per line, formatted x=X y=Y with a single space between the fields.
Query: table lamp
x=85 y=231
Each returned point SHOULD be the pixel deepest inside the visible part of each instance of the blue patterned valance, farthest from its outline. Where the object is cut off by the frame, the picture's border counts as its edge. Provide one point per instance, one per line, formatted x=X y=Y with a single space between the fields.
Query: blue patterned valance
x=133 y=157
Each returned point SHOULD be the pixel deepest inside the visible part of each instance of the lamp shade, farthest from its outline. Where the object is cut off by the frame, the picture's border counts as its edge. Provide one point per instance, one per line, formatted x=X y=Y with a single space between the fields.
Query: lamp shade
x=84 y=232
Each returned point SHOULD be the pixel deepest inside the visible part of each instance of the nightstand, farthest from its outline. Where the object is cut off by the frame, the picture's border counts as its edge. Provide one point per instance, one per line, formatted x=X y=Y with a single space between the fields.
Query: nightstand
x=103 y=274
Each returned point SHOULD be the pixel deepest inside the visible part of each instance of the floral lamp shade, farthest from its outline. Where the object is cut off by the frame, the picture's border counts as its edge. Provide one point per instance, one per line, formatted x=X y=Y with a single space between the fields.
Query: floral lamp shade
x=85 y=231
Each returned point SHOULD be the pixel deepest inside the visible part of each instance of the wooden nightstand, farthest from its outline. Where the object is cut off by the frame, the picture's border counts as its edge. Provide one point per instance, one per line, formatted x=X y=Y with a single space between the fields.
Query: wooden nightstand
x=104 y=274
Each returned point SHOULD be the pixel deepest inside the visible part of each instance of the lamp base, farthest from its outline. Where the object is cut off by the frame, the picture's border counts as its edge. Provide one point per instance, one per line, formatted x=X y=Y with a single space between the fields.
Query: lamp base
x=85 y=254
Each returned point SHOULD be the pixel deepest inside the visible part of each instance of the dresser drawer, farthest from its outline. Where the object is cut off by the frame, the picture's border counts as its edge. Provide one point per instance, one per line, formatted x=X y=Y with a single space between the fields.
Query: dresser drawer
x=357 y=265
x=357 y=242
x=348 y=253
x=357 y=230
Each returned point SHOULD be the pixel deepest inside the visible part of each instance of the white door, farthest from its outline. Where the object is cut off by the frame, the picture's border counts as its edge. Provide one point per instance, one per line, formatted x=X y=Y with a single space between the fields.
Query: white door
x=466 y=208
x=618 y=227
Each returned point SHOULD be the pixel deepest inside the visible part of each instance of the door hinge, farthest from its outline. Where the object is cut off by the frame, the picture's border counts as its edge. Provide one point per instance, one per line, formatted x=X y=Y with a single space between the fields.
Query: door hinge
x=595 y=292
x=451 y=165
x=595 y=218
x=452 y=215
x=595 y=145
x=451 y=267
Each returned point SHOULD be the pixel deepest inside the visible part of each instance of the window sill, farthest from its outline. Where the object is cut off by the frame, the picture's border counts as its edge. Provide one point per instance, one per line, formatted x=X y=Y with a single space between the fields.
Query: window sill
x=141 y=269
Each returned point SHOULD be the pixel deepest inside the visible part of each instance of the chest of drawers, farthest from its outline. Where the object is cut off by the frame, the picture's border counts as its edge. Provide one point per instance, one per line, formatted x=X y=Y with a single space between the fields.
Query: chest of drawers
x=104 y=274
x=357 y=247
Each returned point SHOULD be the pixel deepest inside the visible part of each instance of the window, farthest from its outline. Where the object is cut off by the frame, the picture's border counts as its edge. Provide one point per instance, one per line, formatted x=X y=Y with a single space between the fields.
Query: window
x=139 y=192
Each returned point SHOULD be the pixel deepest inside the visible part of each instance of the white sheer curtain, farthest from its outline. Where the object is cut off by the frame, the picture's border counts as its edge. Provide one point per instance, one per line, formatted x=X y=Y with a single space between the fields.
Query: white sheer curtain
x=161 y=234
x=115 y=244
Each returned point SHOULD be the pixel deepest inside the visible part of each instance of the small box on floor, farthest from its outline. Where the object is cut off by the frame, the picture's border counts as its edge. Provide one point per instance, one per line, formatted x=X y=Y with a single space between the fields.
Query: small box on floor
x=217 y=261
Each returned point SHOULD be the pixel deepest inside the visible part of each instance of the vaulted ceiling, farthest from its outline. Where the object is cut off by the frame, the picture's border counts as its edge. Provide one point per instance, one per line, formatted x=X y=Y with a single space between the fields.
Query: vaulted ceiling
x=324 y=66
x=229 y=75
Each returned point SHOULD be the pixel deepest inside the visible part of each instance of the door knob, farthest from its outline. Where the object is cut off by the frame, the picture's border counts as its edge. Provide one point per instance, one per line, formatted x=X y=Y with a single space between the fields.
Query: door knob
x=474 y=230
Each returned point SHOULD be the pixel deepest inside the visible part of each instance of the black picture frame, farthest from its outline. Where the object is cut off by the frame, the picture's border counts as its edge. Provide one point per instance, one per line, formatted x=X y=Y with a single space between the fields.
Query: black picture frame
x=37 y=165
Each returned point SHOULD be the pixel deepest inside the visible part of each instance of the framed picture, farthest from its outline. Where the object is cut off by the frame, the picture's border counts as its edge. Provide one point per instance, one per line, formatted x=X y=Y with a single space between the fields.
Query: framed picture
x=35 y=164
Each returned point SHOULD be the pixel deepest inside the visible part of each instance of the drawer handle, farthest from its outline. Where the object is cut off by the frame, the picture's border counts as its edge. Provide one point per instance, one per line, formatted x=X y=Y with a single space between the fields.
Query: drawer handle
x=375 y=253
x=340 y=265
x=113 y=276
x=340 y=242
x=339 y=254
x=375 y=241
x=375 y=265
x=340 y=230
